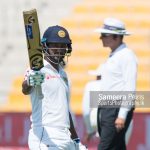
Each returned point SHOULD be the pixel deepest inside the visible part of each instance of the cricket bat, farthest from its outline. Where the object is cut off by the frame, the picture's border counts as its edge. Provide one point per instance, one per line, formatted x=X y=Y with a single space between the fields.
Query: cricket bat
x=33 y=39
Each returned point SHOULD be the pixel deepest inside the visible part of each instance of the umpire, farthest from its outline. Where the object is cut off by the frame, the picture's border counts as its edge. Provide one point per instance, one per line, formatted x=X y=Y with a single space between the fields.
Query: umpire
x=119 y=74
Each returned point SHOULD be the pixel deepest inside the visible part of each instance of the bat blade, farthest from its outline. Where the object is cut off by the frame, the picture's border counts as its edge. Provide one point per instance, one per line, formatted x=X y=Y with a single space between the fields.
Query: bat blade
x=33 y=39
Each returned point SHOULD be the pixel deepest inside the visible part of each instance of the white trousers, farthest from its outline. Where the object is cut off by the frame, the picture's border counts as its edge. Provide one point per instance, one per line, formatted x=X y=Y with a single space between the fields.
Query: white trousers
x=47 y=138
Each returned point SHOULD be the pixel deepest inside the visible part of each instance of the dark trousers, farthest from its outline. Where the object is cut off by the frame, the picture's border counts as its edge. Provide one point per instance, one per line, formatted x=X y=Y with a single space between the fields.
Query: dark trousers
x=110 y=138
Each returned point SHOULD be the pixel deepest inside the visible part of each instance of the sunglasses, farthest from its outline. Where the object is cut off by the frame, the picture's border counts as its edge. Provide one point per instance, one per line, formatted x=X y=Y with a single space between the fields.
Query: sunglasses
x=105 y=34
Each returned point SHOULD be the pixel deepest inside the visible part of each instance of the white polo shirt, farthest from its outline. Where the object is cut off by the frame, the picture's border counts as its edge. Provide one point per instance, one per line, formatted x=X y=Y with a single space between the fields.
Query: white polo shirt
x=50 y=106
x=120 y=73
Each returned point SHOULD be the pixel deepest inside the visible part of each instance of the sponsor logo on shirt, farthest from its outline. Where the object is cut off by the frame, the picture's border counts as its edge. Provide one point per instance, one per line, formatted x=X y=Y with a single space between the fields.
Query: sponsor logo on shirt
x=51 y=76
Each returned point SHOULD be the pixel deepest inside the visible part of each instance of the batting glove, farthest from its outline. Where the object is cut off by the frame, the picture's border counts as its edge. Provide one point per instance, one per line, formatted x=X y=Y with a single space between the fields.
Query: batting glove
x=79 y=145
x=35 y=78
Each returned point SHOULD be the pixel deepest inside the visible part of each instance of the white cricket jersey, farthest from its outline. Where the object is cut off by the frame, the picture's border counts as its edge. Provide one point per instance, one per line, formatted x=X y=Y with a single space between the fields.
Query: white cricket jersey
x=50 y=100
x=120 y=73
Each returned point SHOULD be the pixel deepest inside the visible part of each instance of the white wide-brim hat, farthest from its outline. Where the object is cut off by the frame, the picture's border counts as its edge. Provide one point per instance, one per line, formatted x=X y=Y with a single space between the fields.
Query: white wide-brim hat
x=113 y=26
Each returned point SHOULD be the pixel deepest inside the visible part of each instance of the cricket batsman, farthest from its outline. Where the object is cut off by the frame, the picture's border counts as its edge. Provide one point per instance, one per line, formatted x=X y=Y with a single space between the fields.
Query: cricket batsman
x=52 y=127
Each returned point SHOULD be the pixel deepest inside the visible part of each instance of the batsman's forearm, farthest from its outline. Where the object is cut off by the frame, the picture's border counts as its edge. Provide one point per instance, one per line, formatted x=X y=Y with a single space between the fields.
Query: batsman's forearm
x=26 y=89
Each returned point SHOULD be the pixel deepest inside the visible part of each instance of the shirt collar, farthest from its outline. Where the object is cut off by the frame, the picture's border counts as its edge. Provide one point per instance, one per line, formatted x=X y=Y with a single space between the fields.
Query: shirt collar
x=122 y=46
x=51 y=67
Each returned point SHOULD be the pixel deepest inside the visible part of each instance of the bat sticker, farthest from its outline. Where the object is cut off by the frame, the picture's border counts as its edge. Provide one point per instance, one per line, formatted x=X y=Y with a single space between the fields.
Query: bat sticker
x=29 y=31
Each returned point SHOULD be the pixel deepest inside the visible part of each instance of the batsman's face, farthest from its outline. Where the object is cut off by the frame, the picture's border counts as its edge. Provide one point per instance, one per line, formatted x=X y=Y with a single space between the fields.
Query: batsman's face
x=57 y=51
